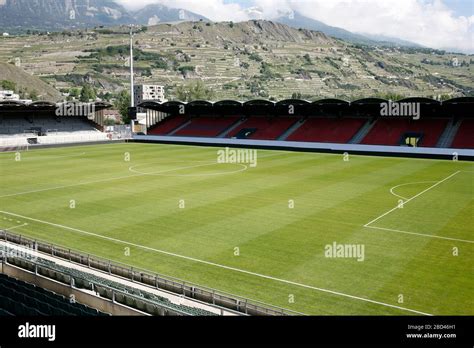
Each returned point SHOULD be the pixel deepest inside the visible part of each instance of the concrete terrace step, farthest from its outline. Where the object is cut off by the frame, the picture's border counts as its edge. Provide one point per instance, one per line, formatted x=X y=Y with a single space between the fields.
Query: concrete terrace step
x=361 y=134
x=291 y=130
x=449 y=134
x=231 y=128
x=173 y=132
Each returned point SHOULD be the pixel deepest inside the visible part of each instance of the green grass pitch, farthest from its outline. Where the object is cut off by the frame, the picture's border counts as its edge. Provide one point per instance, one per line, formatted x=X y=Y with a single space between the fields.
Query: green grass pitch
x=262 y=232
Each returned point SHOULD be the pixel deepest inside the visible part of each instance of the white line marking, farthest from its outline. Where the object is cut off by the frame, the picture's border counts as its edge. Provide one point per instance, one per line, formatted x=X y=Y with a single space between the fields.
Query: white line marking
x=104 y=180
x=420 y=234
x=83 y=183
x=67 y=186
x=160 y=173
x=410 y=183
x=101 y=273
x=412 y=198
x=94 y=148
x=15 y=227
x=218 y=265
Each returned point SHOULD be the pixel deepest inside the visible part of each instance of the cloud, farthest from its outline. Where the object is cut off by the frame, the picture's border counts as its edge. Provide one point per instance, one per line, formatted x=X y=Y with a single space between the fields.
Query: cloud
x=216 y=10
x=427 y=22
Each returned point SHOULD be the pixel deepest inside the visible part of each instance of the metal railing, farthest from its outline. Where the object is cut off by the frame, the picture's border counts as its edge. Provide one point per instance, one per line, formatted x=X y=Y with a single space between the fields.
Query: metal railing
x=146 y=277
x=117 y=296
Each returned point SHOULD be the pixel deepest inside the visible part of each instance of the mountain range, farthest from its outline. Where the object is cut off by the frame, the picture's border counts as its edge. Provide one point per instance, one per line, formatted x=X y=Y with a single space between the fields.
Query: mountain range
x=297 y=20
x=18 y=15
x=72 y=14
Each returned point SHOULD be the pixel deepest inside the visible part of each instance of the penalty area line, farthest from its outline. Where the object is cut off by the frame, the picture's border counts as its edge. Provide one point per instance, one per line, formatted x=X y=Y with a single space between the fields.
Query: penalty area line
x=392 y=190
x=15 y=227
x=219 y=265
x=412 y=198
x=420 y=234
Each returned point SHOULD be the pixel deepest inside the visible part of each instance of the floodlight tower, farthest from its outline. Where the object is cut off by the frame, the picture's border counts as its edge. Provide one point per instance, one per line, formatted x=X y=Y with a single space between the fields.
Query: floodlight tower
x=132 y=84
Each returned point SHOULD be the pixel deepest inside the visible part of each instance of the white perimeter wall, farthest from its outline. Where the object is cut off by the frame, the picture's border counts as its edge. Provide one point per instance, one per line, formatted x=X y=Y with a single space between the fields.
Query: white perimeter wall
x=290 y=145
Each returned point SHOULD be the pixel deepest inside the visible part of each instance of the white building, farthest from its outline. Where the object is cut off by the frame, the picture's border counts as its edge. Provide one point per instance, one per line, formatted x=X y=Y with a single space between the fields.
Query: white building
x=12 y=96
x=144 y=93
x=9 y=95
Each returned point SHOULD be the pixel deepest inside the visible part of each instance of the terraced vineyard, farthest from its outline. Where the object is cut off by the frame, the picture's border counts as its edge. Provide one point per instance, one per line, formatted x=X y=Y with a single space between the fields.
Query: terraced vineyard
x=255 y=59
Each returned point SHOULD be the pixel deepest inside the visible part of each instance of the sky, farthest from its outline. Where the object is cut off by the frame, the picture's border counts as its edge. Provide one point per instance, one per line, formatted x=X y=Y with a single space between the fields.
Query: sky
x=442 y=24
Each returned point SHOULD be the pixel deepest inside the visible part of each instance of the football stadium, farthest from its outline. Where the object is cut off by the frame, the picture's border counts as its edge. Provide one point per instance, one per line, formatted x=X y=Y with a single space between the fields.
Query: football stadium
x=236 y=172
x=259 y=208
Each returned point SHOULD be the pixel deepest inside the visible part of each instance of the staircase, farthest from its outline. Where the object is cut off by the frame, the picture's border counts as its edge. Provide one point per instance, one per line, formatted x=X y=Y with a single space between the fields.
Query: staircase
x=291 y=130
x=365 y=129
x=226 y=132
x=449 y=133
x=179 y=128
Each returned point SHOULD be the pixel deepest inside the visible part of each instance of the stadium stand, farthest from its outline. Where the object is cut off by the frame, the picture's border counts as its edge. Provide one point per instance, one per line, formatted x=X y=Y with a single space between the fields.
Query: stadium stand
x=323 y=121
x=24 y=299
x=386 y=131
x=121 y=284
x=328 y=130
x=111 y=290
x=465 y=135
x=102 y=285
x=46 y=125
x=16 y=130
x=168 y=125
x=390 y=131
x=207 y=126
x=264 y=128
x=442 y=125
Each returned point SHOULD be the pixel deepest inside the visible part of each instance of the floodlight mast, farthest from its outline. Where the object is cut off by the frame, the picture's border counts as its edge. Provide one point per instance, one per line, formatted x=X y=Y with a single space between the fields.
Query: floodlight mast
x=132 y=83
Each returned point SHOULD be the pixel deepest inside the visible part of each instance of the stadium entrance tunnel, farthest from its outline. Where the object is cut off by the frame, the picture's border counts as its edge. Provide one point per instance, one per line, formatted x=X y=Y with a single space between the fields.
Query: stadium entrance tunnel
x=412 y=139
x=245 y=133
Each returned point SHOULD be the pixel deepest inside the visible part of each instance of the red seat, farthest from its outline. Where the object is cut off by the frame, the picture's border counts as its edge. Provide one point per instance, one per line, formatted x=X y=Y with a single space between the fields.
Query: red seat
x=464 y=138
x=267 y=128
x=168 y=125
x=328 y=130
x=207 y=126
x=389 y=131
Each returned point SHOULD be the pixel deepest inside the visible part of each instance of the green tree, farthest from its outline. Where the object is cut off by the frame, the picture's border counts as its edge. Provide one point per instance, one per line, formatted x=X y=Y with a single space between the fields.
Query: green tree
x=194 y=91
x=75 y=92
x=8 y=85
x=87 y=93
x=122 y=103
x=109 y=122
x=34 y=95
x=390 y=96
